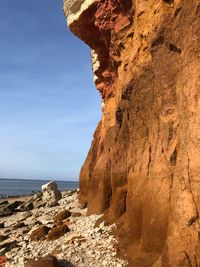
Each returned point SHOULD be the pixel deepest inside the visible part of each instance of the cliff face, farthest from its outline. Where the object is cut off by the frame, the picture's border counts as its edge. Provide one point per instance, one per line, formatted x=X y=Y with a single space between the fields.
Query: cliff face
x=143 y=168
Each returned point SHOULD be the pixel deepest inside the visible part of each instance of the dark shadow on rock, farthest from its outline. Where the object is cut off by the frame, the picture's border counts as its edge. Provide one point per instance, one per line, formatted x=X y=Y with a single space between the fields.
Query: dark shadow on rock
x=65 y=263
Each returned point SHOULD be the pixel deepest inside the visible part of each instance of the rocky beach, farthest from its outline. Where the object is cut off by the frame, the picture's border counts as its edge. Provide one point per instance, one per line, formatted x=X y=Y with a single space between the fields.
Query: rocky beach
x=53 y=229
x=138 y=202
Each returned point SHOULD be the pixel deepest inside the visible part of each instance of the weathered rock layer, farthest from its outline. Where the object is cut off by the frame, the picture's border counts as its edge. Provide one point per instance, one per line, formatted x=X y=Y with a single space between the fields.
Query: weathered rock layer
x=143 y=168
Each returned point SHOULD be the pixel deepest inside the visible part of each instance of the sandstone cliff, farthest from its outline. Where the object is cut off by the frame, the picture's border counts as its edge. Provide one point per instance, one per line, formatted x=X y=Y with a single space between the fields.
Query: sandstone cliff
x=143 y=168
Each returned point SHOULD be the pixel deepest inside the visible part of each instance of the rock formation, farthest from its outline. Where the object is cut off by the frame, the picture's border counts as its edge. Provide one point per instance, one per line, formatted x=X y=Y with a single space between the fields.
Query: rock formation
x=48 y=261
x=51 y=194
x=143 y=168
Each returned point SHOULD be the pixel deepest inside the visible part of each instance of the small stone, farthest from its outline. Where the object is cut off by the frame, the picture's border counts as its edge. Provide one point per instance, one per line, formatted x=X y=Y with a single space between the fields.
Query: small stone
x=104 y=263
x=84 y=245
x=76 y=259
x=70 y=239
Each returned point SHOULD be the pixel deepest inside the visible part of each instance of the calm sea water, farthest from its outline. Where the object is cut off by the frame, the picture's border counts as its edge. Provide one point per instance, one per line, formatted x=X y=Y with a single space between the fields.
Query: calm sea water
x=18 y=187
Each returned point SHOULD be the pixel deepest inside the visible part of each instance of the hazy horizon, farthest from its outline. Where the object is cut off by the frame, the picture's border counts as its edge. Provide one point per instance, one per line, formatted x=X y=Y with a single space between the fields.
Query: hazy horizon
x=49 y=105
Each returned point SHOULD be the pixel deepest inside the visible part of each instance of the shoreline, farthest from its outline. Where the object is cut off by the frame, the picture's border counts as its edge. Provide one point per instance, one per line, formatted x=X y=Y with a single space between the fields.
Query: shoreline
x=25 y=197
x=82 y=244
x=14 y=188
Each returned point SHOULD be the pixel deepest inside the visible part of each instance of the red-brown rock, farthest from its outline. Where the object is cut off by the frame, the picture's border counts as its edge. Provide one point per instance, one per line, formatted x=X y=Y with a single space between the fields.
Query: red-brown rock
x=48 y=261
x=3 y=260
x=62 y=215
x=57 y=232
x=40 y=233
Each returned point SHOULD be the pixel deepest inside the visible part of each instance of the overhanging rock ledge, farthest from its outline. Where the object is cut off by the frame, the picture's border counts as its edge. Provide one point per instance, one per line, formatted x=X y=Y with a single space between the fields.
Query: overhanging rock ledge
x=143 y=168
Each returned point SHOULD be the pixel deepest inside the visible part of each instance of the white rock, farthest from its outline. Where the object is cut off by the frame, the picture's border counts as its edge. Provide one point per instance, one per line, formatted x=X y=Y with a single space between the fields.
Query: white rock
x=51 y=194
x=74 y=8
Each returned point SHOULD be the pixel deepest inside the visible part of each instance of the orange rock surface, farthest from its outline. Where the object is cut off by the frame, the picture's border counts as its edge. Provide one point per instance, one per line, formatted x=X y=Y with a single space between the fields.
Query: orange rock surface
x=143 y=168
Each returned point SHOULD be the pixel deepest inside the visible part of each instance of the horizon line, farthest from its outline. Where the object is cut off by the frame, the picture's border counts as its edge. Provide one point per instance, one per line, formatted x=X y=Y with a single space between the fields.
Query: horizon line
x=39 y=179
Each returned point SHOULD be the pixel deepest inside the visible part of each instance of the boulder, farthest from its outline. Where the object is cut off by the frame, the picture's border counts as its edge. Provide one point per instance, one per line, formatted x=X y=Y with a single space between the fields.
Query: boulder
x=51 y=194
x=40 y=233
x=13 y=206
x=57 y=223
x=7 y=208
x=48 y=261
x=62 y=215
x=25 y=206
x=57 y=232
x=1 y=225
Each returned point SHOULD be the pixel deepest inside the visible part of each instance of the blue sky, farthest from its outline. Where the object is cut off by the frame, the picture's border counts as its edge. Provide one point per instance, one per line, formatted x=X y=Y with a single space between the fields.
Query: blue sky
x=49 y=107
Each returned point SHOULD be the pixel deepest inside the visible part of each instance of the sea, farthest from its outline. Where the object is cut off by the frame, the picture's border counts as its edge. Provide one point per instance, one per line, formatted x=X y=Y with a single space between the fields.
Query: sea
x=22 y=187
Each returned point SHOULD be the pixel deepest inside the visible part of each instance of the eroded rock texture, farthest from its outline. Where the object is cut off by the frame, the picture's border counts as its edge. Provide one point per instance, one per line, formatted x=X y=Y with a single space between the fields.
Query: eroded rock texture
x=143 y=168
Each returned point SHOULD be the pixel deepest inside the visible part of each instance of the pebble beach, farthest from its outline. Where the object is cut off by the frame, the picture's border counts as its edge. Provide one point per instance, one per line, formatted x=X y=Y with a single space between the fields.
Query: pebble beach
x=63 y=231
